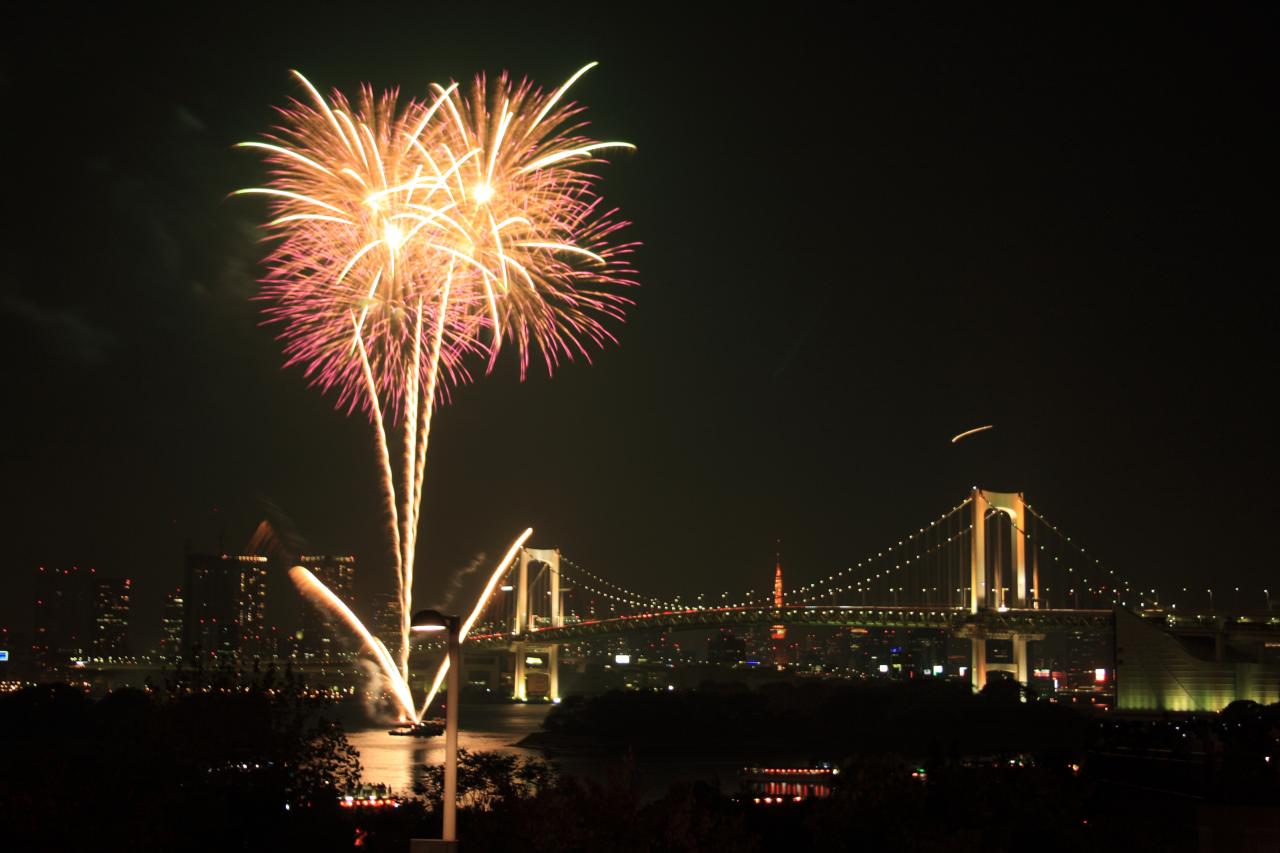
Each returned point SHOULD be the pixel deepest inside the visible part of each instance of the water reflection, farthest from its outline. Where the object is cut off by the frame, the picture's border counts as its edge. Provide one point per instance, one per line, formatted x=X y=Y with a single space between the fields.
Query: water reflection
x=398 y=761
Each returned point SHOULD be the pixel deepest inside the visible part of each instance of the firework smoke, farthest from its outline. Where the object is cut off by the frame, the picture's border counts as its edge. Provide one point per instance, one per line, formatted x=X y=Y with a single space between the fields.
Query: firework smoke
x=456 y=582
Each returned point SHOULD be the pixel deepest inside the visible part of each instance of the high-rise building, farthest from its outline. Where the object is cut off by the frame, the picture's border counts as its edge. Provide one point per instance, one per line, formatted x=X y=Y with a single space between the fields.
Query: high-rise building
x=725 y=648
x=171 y=625
x=319 y=632
x=224 y=605
x=253 y=606
x=386 y=619
x=111 y=600
x=1089 y=657
x=63 y=616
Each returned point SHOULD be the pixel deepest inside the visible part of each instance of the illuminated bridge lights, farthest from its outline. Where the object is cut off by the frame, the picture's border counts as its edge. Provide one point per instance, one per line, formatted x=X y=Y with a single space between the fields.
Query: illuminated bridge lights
x=907 y=616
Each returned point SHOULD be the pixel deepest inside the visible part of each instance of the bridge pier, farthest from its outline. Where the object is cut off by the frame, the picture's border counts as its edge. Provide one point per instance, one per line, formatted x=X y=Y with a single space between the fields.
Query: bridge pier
x=978 y=662
x=1021 y=670
x=550 y=666
x=1019 y=667
x=524 y=622
x=519 y=690
x=1026 y=590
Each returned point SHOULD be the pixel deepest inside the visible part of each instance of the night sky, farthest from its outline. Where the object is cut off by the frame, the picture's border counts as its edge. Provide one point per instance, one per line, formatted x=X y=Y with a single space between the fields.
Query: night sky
x=860 y=236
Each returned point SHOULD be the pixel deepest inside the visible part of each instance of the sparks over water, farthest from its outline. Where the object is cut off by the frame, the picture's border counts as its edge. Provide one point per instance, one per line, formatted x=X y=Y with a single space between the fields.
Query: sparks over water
x=416 y=238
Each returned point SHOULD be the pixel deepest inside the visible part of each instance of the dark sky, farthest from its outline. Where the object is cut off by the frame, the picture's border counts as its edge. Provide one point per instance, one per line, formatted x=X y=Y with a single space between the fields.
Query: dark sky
x=861 y=235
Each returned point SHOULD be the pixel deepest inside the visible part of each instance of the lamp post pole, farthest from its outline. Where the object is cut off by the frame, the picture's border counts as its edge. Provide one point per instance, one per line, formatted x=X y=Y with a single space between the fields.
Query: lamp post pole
x=451 y=735
x=434 y=620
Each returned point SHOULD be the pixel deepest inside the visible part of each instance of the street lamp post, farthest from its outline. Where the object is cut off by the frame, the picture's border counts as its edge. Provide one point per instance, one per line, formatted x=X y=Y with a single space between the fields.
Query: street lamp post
x=434 y=620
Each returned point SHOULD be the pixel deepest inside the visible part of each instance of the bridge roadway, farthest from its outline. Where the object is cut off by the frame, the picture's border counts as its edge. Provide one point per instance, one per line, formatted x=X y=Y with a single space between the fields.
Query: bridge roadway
x=990 y=623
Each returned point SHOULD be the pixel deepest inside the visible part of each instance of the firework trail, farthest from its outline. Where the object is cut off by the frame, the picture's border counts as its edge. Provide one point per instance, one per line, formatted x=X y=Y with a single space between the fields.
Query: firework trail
x=353 y=287
x=311 y=587
x=314 y=589
x=475 y=614
x=414 y=238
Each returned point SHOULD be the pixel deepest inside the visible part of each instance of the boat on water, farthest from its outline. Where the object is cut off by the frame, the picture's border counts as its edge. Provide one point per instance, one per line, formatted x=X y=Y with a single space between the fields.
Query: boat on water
x=775 y=785
x=426 y=728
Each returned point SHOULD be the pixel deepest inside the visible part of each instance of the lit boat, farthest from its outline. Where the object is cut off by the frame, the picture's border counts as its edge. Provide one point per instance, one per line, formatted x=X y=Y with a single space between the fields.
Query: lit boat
x=783 y=784
x=426 y=728
x=370 y=797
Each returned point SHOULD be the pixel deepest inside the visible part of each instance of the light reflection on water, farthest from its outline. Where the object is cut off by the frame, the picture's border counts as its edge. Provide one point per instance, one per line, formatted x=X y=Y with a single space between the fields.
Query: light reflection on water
x=397 y=761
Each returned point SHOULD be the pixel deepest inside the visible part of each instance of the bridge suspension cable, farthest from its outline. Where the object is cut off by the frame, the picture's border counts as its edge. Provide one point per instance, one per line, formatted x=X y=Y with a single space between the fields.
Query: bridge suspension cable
x=613 y=591
x=825 y=587
x=1120 y=591
x=622 y=595
x=927 y=567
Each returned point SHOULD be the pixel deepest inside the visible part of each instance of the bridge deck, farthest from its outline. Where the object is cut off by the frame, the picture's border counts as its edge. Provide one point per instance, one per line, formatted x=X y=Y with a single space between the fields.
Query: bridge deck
x=868 y=616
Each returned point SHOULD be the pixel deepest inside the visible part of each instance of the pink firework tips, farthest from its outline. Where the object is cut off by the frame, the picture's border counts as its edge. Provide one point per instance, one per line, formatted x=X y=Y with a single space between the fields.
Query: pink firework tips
x=473 y=213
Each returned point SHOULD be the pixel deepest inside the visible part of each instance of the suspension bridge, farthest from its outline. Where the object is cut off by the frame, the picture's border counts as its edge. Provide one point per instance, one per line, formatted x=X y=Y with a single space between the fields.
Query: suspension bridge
x=990 y=568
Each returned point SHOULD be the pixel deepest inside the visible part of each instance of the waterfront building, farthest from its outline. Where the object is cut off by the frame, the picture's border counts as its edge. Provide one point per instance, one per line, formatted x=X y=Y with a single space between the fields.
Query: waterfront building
x=111 y=604
x=1201 y=671
x=386 y=619
x=726 y=648
x=224 y=605
x=1088 y=653
x=171 y=625
x=321 y=635
x=63 y=623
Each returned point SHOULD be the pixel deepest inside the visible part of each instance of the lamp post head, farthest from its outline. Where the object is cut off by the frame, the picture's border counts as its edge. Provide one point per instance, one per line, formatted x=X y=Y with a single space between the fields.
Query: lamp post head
x=433 y=620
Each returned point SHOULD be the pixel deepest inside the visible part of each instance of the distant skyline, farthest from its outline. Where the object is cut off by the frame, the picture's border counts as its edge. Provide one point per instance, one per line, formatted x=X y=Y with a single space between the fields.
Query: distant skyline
x=861 y=238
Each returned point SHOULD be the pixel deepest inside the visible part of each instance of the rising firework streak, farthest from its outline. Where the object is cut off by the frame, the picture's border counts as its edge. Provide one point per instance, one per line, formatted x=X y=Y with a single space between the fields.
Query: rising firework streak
x=466 y=626
x=970 y=432
x=312 y=587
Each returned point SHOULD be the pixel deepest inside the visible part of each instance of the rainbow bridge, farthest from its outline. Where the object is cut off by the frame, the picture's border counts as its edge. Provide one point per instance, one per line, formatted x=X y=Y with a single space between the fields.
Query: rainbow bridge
x=990 y=568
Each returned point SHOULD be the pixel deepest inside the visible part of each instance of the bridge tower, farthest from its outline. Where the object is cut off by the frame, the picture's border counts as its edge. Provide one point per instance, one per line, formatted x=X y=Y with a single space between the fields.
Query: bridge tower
x=982 y=595
x=992 y=596
x=524 y=621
